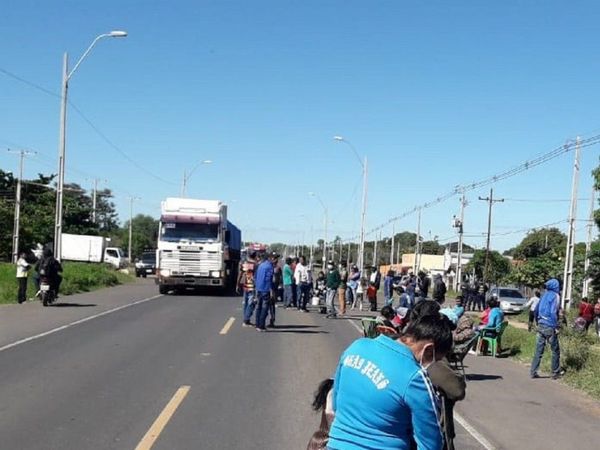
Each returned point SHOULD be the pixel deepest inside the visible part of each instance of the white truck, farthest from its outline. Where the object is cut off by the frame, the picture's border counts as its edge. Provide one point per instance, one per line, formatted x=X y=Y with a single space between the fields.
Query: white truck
x=197 y=245
x=94 y=249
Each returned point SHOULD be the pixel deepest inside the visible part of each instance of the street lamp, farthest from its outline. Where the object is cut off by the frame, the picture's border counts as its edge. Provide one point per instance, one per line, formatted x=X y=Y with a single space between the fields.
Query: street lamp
x=62 y=137
x=363 y=163
x=186 y=176
x=312 y=194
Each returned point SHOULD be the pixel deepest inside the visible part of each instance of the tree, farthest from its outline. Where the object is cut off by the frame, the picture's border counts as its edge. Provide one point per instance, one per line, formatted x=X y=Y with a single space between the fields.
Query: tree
x=499 y=266
x=144 y=234
x=594 y=269
x=540 y=242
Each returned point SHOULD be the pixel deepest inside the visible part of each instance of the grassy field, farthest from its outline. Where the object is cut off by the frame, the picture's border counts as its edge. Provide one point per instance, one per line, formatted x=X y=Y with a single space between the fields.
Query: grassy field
x=578 y=356
x=77 y=277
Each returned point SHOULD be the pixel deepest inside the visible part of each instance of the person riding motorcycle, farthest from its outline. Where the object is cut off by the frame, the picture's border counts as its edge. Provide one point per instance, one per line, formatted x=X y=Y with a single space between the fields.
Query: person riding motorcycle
x=48 y=266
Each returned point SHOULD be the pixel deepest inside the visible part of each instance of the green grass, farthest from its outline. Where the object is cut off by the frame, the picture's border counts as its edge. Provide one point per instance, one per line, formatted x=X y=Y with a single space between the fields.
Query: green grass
x=577 y=355
x=77 y=277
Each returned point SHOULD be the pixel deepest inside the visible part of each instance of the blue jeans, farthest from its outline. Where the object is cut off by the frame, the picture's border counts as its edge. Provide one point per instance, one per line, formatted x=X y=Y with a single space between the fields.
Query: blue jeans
x=545 y=336
x=248 y=306
x=262 y=309
x=331 y=297
x=288 y=295
x=388 y=301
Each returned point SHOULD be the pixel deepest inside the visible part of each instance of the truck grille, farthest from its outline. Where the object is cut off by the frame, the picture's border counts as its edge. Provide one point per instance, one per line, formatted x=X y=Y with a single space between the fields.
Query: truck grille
x=186 y=262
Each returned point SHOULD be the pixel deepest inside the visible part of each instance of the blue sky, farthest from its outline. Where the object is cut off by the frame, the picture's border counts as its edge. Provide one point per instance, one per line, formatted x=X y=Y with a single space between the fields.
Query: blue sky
x=435 y=94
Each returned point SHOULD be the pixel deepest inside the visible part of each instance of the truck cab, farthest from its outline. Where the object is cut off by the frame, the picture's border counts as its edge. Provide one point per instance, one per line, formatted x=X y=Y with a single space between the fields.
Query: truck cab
x=115 y=257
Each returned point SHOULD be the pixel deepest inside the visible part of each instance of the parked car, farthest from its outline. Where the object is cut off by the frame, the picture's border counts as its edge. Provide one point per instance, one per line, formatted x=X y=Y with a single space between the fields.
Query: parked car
x=511 y=300
x=146 y=265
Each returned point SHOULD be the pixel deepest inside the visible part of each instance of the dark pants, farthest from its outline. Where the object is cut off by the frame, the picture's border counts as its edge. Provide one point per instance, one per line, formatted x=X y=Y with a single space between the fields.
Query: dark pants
x=22 y=296
x=295 y=294
x=303 y=295
x=262 y=309
x=531 y=320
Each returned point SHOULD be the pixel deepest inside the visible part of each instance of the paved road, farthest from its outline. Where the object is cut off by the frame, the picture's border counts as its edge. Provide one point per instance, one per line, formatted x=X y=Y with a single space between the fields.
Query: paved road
x=102 y=383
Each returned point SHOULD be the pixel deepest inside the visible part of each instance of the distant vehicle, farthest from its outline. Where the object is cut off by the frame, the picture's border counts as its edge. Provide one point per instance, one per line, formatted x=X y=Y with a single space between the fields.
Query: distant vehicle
x=511 y=300
x=146 y=265
x=94 y=249
x=197 y=245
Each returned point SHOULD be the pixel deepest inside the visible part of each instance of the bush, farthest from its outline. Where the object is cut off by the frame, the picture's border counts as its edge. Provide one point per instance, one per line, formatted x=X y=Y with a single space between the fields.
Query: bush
x=77 y=277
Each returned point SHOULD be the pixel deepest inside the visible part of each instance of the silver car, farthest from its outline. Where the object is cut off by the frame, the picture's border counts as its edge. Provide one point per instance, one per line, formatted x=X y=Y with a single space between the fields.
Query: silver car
x=511 y=300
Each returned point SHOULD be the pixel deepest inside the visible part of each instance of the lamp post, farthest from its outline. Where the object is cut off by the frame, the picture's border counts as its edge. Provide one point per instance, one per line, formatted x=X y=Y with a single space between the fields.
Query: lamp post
x=312 y=194
x=62 y=137
x=131 y=200
x=363 y=213
x=186 y=176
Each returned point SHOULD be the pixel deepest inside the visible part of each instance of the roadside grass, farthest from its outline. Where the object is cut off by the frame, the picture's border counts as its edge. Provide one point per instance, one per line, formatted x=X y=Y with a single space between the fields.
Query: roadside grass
x=77 y=277
x=581 y=363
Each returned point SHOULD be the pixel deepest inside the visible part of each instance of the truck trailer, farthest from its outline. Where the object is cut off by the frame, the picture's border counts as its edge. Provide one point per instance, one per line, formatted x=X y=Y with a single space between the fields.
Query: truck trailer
x=197 y=246
x=94 y=249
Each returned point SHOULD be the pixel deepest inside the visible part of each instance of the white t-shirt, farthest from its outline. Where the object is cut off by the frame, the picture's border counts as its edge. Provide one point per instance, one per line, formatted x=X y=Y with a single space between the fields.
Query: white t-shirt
x=22 y=268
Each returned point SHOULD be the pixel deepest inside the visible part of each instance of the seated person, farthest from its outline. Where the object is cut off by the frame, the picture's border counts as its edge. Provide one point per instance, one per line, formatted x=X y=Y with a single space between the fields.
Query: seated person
x=485 y=316
x=496 y=316
x=464 y=330
x=387 y=318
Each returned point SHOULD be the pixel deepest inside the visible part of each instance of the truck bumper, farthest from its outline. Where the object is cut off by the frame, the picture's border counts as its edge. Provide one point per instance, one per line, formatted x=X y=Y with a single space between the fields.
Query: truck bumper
x=183 y=281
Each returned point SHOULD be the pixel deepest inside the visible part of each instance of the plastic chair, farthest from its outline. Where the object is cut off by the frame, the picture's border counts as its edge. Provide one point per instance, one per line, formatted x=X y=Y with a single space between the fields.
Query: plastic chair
x=369 y=326
x=492 y=338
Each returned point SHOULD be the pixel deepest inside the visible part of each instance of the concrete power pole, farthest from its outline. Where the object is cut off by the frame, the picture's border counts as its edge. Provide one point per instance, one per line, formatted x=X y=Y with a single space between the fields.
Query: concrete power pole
x=22 y=154
x=460 y=225
x=570 y=253
x=131 y=199
x=417 y=261
x=588 y=244
x=393 y=245
x=491 y=200
x=375 y=252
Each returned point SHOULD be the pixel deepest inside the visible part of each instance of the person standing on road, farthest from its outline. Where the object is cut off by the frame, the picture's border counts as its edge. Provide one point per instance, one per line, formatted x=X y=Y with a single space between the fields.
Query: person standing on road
x=333 y=284
x=302 y=284
x=439 y=289
x=382 y=394
x=424 y=283
x=246 y=288
x=264 y=285
x=274 y=289
x=388 y=288
x=22 y=277
x=288 y=280
x=353 y=283
x=547 y=315
x=342 y=288
x=532 y=304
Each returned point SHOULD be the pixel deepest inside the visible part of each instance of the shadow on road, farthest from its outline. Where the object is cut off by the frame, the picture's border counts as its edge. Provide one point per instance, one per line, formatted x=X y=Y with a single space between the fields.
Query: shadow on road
x=73 y=305
x=279 y=330
x=482 y=377
x=292 y=327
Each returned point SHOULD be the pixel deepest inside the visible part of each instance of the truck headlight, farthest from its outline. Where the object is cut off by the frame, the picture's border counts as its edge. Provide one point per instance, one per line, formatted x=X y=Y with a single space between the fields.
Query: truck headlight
x=215 y=274
x=165 y=272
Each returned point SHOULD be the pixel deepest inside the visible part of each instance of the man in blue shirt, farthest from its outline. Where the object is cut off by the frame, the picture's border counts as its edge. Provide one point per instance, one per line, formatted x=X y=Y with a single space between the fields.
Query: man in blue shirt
x=263 y=280
x=547 y=317
x=382 y=396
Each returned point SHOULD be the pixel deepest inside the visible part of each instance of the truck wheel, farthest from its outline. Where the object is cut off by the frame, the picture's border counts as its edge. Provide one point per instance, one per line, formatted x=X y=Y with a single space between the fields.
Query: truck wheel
x=163 y=290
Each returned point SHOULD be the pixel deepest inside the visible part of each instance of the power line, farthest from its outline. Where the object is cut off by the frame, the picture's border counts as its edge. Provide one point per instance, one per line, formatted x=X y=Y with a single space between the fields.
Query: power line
x=79 y=112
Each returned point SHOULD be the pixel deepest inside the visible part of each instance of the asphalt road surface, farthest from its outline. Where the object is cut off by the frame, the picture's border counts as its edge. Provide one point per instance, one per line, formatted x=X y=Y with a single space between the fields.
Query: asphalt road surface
x=177 y=372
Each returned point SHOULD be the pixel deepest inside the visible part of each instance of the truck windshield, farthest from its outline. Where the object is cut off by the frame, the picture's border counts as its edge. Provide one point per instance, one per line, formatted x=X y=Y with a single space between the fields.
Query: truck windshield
x=175 y=232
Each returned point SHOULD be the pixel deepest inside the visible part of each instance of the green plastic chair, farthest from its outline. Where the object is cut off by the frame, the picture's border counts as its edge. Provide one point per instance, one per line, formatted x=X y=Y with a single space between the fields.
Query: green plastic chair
x=369 y=326
x=492 y=338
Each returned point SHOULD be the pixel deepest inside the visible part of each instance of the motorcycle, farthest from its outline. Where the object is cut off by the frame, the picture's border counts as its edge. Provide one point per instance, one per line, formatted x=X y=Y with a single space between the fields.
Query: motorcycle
x=47 y=294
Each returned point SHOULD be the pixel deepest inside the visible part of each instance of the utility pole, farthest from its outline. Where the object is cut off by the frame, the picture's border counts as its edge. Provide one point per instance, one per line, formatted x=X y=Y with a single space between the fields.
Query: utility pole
x=588 y=244
x=375 y=251
x=22 y=154
x=460 y=225
x=570 y=253
x=491 y=200
x=131 y=199
x=348 y=257
x=392 y=247
x=95 y=182
x=417 y=260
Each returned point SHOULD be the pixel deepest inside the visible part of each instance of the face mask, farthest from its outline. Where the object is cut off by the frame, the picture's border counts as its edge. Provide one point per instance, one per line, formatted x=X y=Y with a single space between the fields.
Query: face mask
x=426 y=366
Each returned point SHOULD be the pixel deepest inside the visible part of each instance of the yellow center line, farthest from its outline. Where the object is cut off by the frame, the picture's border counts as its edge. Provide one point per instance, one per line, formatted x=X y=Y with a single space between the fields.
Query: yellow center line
x=227 y=325
x=161 y=421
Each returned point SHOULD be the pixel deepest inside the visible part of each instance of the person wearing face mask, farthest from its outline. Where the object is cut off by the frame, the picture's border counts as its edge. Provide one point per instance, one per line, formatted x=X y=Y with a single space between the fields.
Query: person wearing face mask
x=333 y=283
x=382 y=394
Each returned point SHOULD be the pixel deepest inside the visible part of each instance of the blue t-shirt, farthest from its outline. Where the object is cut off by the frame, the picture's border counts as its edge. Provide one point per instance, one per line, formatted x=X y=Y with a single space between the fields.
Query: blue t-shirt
x=264 y=277
x=383 y=399
x=495 y=318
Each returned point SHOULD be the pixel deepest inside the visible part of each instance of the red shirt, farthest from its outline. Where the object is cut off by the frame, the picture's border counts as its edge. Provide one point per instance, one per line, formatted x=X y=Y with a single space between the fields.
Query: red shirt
x=485 y=317
x=586 y=310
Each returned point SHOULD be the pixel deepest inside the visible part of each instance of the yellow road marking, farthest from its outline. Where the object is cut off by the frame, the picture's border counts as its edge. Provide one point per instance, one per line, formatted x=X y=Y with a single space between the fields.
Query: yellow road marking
x=227 y=325
x=161 y=421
